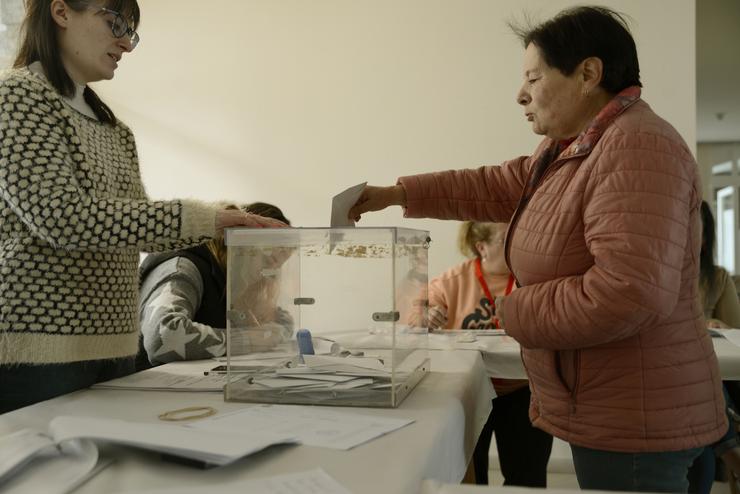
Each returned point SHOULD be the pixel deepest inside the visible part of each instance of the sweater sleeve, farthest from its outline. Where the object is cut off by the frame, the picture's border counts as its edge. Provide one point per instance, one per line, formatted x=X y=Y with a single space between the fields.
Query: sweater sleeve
x=171 y=296
x=39 y=154
x=488 y=193
x=638 y=208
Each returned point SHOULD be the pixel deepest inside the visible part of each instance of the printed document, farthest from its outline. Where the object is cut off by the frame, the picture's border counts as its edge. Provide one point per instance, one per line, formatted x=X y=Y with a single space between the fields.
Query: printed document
x=74 y=438
x=312 y=426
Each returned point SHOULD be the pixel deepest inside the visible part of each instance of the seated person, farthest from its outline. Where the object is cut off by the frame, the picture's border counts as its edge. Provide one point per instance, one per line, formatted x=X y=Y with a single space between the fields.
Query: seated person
x=182 y=305
x=717 y=289
x=463 y=298
x=412 y=290
x=721 y=311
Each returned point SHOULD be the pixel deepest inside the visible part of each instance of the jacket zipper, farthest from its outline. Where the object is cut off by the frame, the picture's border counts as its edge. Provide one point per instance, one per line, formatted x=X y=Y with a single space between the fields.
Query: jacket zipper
x=526 y=196
x=574 y=391
x=532 y=387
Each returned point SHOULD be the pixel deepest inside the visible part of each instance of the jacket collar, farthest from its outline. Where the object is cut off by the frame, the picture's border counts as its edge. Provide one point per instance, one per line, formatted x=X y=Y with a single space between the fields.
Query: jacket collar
x=585 y=142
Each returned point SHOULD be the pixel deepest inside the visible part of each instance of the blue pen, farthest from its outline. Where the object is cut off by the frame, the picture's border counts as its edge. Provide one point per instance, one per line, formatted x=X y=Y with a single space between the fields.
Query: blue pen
x=305 y=345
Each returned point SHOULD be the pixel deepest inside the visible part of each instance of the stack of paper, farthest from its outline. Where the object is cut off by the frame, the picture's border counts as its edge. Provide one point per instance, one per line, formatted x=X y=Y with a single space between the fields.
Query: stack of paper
x=71 y=440
x=321 y=372
x=162 y=380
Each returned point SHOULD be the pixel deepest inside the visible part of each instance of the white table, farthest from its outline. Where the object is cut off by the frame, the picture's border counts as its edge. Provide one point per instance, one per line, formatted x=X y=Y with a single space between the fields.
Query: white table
x=449 y=407
x=434 y=487
x=502 y=359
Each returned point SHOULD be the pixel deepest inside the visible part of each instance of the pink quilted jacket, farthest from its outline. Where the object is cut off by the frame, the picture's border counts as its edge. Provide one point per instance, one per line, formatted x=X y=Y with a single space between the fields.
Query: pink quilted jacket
x=604 y=241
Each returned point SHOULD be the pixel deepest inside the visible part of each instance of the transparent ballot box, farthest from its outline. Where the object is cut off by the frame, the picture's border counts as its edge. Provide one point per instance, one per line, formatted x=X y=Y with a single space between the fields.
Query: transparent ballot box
x=326 y=316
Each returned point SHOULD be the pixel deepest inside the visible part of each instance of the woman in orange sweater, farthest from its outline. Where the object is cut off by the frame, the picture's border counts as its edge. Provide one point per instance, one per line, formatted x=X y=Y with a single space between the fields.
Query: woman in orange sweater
x=463 y=298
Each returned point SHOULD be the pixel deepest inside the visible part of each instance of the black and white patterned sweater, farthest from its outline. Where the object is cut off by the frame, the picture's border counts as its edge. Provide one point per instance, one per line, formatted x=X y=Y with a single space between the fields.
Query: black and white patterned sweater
x=74 y=216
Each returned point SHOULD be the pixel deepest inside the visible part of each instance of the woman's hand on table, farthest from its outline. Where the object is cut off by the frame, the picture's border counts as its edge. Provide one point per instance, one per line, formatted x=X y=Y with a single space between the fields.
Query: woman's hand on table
x=436 y=317
x=716 y=324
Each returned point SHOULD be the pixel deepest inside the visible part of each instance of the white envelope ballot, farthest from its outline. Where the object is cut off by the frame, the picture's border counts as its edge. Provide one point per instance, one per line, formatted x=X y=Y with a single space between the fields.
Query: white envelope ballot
x=342 y=203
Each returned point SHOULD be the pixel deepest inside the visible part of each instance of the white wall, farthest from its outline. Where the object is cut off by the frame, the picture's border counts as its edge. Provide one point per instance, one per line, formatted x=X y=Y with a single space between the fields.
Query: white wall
x=291 y=101
x=713 y=153
x=11 y=16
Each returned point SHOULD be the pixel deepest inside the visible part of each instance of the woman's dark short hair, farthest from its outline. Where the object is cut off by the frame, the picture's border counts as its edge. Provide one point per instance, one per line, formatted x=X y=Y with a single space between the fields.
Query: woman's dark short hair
x=582 y=32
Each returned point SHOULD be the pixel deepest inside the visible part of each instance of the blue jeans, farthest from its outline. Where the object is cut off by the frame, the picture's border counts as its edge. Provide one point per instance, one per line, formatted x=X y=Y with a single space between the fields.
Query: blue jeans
x=26 y=384
x=654 y=472
x=702 y=472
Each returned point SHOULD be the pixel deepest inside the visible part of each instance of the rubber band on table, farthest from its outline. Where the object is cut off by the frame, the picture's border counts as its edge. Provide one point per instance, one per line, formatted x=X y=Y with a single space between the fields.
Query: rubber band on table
x=188 y=413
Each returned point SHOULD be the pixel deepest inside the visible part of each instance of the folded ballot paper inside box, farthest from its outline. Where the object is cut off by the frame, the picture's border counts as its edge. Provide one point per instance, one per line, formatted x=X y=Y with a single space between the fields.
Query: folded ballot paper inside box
x=286 y=284
x=335 y=380
x=71 y=443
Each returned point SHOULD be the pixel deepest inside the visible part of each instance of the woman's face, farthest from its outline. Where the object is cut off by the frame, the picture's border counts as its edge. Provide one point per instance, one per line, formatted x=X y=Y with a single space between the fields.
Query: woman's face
x=90 y=51
x=491 y=252
x=553 y=102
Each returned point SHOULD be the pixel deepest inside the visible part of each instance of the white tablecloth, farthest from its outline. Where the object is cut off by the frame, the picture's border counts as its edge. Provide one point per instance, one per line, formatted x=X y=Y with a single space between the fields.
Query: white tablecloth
x=502 y=359
x=449 y=407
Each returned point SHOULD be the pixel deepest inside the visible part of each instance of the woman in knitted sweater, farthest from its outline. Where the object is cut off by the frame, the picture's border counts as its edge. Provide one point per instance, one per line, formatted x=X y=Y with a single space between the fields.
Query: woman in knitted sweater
x=74 y=213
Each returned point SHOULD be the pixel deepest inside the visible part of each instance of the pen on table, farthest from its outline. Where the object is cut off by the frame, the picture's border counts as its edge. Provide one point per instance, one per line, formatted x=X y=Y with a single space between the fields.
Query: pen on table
x=223 y=372
x=219 y=372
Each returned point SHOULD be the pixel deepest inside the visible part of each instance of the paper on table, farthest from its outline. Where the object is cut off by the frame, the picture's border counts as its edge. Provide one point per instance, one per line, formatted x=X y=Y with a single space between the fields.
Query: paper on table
x=159 y=380
x=287 y=382
x=258 y=357
x=20 y=447
x=56 y=470
x=209 y=447
x=319 y=361
x=311 y=425
x=57 y=462
x=315 y=481
x=354 y=383
x=731 y=335
x=342 y=203
x=308 y=373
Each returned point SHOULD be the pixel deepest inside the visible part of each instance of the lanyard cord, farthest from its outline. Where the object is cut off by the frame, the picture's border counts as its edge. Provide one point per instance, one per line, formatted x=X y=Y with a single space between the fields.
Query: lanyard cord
x=484 y=285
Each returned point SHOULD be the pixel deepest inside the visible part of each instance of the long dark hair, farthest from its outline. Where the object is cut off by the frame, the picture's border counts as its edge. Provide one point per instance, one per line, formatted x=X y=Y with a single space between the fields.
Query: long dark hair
x=706 y=258
x=39 y=43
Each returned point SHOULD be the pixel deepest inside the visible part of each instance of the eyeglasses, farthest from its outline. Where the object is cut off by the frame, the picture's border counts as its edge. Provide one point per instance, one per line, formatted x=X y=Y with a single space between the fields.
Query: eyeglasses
x=120 y=27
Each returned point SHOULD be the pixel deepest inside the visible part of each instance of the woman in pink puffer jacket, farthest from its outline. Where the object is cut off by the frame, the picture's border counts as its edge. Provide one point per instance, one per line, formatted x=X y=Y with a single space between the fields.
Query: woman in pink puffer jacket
x=604 y=243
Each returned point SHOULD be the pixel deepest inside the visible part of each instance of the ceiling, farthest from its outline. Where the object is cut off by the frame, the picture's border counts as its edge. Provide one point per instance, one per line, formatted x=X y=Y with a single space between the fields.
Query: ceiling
x=718 y=70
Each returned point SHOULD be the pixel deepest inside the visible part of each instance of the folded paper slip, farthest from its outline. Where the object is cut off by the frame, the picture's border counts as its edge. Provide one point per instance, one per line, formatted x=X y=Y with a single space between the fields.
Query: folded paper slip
x=207 y=447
